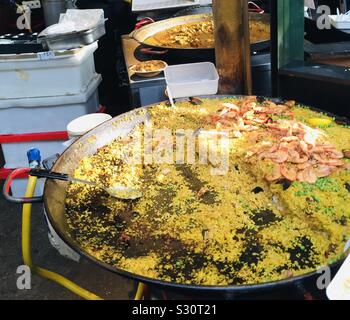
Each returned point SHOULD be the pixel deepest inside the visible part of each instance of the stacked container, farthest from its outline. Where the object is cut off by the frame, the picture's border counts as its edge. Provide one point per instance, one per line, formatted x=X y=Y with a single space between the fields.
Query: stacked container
x=39 y=95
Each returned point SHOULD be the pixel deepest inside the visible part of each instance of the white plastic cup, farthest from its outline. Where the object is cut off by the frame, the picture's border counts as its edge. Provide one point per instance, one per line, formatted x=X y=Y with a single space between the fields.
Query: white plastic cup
x=79 y=126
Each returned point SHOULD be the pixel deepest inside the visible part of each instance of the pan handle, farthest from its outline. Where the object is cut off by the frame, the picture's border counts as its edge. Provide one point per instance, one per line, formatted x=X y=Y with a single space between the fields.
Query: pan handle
x=253 y=7
x=140 y=24
x=152 y=51
x=7 y=187
x=41 y=173
x=143 y=22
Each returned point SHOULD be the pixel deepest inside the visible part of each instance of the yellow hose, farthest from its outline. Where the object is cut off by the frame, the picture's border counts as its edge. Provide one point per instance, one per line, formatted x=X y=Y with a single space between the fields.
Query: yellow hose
x=27 y=258
x=140 y=291
x=26 y=251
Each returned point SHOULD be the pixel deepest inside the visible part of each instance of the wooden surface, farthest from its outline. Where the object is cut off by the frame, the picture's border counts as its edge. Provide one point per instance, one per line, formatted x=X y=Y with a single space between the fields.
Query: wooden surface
x=129 y=45
x=232 y=46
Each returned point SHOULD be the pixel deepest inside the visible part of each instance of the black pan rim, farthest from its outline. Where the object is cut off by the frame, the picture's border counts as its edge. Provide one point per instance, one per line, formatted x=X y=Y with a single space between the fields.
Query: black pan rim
x=264 y=44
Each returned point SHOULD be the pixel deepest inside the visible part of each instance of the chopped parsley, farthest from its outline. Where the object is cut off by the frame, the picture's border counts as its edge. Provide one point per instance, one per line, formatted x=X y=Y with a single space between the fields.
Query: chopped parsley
x=323 y=184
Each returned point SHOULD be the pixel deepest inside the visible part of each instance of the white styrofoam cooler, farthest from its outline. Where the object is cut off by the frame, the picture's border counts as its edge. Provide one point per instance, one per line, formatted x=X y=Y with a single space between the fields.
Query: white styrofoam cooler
x=47 y=74
x=47 y=114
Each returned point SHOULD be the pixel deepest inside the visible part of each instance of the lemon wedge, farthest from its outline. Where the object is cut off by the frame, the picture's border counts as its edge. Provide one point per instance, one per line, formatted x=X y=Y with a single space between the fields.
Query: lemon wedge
x=319 y=122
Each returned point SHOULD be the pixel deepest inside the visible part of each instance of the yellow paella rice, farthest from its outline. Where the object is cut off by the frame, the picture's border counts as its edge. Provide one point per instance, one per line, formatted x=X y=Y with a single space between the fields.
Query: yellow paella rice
x=279 y=210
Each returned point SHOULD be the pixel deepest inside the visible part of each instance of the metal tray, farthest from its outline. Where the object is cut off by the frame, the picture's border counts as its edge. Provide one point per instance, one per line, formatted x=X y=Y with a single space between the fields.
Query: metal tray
x=18 y=43
x=73 y=40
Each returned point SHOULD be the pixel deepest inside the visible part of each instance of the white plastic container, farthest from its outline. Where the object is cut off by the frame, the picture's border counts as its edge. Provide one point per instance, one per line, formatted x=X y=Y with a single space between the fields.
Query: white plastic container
x=47 y=74
x=193 y=79
x=47 y=114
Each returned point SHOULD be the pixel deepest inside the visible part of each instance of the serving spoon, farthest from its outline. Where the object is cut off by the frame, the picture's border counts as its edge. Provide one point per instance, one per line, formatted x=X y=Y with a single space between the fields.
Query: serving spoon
x=117 y=191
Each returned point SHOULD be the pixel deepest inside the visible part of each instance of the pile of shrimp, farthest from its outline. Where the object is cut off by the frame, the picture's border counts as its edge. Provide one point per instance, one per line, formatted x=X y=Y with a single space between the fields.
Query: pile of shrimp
x=294 y=159
x=248 y=115
x=294 y=151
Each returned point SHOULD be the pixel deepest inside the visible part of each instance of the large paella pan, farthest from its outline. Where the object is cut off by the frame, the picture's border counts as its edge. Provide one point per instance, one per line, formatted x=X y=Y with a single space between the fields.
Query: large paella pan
x=193 y=34
x=270 y=214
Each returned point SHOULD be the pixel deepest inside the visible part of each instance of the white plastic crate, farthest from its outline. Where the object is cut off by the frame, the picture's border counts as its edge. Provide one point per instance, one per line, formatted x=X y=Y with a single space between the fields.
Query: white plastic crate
x=47 y=114
x=192 y=79
x=47 y=73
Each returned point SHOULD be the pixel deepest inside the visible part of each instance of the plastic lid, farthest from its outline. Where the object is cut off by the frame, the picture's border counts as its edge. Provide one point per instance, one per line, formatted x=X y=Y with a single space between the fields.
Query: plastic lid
x=83 y=124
